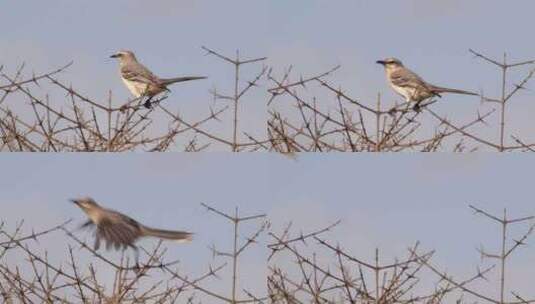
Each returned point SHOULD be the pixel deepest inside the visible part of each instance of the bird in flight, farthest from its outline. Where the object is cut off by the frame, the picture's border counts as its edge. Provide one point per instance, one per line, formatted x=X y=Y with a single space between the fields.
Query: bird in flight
x=120 y=231
x=140 y=81
x=411 y=86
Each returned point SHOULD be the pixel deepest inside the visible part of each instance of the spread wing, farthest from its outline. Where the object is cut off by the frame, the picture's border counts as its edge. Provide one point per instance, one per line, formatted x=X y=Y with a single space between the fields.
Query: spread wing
x=139 y=73
x=118 y=231
x=406 y=78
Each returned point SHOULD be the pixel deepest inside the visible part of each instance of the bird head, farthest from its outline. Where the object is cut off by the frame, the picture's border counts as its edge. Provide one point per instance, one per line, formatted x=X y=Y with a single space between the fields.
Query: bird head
x=85 y=203
x=390 y=63
x=124 y=55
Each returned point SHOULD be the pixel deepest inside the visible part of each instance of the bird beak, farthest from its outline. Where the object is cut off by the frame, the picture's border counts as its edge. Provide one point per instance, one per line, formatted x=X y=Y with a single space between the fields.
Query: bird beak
x=74 y=201
x=381 y=62
x=114 y=56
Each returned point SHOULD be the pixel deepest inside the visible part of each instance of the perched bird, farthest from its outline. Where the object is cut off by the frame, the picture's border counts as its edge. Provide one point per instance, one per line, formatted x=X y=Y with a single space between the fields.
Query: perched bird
x=411 y=86
x=120 y=231
x=140 y=81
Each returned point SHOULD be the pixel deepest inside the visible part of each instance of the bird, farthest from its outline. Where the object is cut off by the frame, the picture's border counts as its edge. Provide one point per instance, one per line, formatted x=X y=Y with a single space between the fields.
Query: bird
x=140 y=81
x=411 y=86
x=120 y=231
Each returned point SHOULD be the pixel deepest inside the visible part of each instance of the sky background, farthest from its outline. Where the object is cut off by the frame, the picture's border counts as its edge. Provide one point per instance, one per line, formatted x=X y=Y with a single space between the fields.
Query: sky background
x=431 y=37
x=386 y=202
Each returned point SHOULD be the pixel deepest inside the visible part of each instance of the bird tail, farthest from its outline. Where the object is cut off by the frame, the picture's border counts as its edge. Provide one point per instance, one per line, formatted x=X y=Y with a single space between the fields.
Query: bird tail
x=169 y=81
x=179 y=236
x=438 y=90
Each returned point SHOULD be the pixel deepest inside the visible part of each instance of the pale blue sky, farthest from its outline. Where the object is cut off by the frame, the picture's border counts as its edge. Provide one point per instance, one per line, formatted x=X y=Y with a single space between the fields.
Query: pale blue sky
x=387 y=201
x=431 y=37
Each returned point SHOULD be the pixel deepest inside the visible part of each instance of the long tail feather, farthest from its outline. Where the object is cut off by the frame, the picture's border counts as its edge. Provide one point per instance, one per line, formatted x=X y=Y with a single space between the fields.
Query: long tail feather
x=439 y=90
x=169 y=81
x=181 y=236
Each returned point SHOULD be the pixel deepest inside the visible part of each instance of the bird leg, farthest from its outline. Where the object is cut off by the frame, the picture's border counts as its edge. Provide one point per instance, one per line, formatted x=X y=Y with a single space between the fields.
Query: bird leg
x=97 y=242
x=147 y=103
x=421 y=104
x=156 y=101
x=417 y=108
x=137 y=268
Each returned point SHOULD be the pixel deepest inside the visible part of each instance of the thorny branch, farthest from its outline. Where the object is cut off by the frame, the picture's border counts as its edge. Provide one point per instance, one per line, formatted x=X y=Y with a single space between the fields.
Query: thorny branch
x=309 y=267
x=303 y=114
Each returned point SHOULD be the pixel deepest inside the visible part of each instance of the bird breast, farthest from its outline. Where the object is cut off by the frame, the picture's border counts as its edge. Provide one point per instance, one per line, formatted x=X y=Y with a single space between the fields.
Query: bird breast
x=139 y=88
x=136 y=88
x=94 y=215
x=406 y=92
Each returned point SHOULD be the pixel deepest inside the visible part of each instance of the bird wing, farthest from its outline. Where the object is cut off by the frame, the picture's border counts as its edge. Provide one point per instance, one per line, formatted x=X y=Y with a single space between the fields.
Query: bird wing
x=139 y=73
x=118 y=230
x=406 y=78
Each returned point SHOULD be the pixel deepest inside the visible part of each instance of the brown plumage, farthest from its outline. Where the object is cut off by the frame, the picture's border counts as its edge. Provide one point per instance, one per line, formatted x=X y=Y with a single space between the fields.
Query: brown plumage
x=120 y=231
x=411 y=86
x=140 y=81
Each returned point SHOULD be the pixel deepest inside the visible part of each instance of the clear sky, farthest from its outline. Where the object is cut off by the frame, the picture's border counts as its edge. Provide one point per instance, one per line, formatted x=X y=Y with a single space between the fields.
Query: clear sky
x=388 y=201
x=431 y=37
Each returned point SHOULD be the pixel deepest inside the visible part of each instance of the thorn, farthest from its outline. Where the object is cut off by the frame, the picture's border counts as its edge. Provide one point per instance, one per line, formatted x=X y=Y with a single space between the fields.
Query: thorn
x=252 y=83
x=519 y=242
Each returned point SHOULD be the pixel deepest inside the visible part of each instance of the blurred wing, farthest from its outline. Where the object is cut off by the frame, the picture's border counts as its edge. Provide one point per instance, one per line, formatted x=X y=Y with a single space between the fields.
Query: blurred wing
x=118 y=233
